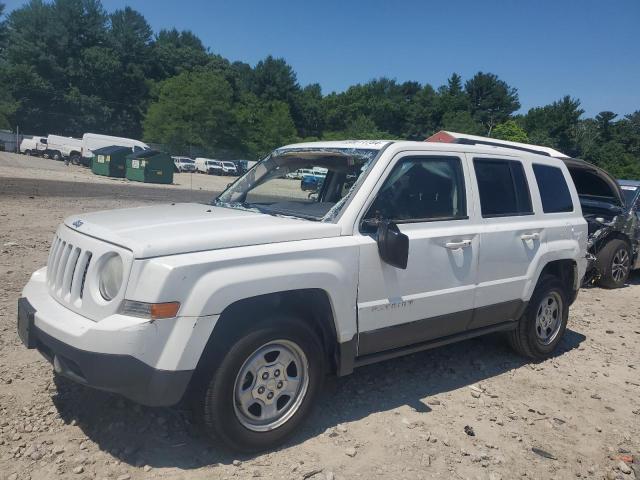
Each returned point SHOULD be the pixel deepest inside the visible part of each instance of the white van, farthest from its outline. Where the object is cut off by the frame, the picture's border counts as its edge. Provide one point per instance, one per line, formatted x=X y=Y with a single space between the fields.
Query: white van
x=93 y=141
x=59 y=147
x=209 y=166
x=35 y=146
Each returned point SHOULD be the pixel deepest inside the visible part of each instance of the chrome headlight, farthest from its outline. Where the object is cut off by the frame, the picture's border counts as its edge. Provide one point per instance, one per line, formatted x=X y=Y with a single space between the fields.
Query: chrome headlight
x=110 y=279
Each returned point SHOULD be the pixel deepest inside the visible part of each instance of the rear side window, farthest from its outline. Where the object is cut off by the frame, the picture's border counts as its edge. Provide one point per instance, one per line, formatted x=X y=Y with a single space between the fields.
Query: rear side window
x=554 y=191
x=503 y=188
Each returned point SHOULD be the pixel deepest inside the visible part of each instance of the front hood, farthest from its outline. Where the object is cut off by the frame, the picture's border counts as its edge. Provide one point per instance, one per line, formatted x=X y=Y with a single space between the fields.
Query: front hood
x=189 y=227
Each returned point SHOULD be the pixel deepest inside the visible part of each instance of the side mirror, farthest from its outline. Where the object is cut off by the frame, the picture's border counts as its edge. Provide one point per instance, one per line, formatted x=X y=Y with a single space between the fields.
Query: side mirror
x=393 y=245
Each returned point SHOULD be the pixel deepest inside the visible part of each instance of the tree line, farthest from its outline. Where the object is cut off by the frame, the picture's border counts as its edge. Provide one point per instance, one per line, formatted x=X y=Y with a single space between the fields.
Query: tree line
x=69 y=66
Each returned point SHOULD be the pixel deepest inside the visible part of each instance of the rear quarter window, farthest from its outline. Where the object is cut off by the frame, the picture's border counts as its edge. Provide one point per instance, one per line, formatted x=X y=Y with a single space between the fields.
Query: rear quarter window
x=554 y=191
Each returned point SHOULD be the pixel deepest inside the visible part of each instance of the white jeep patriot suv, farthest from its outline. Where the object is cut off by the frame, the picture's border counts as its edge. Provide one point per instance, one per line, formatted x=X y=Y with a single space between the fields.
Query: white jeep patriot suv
x=244 y=305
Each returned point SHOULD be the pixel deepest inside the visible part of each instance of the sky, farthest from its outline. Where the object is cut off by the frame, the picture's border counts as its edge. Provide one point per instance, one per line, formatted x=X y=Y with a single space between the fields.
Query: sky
x=589 y=49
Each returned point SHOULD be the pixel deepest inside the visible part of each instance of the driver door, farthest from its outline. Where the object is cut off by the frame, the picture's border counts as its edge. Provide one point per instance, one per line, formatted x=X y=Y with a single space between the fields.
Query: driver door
x=427 y=196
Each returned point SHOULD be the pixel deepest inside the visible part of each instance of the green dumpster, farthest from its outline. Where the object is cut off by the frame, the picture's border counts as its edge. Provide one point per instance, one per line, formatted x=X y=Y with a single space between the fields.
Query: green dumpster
x=150 y=166
x=110 y=161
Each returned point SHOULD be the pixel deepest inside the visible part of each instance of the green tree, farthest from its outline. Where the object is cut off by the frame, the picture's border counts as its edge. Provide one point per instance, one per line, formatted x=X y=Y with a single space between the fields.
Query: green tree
x=274 y=79
x=263 y=125
x=309 y=111
x=423 y=117
x=175 y=52
x=604 y=119
x=491 y=100
x=192 y=109
x=3 y=30
x=362 y=128
x=461 y=122
x=511 y=131
x=555 y=125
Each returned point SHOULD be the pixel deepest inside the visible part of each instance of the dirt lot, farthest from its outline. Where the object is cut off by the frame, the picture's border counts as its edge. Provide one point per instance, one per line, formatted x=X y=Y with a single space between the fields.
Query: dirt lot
x=574 y=415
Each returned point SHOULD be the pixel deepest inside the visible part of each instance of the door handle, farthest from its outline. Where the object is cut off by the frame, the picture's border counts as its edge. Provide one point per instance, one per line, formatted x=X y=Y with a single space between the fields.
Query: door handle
x=530 y=236
x=457 y=245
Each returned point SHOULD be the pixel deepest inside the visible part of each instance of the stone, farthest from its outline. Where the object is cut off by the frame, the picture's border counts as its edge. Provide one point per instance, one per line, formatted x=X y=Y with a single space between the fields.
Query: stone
x=78 y=470
x=624 y=468
x=237 y=463
x=124 y=476
x=350 y=451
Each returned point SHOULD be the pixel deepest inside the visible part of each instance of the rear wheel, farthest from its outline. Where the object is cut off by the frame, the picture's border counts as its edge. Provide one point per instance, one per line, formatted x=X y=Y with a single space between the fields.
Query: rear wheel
x=614 y=263
x=263 y=386
x=544 y=322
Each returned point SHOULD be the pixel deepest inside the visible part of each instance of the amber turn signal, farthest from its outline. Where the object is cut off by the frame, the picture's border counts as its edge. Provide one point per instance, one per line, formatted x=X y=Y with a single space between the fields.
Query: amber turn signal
x=154 y=311
x=164 y=310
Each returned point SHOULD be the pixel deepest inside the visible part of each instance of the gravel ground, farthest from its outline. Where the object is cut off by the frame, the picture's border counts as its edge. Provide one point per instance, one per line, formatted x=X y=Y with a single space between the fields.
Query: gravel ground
x=574 y=415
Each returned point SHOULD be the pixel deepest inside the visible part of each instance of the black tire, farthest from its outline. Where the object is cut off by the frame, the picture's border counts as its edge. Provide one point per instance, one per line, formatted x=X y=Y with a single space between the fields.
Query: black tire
x=56 y=156
x=27 y=152
x=214 y=397
x=75 y=159
x=525 y=338
x=611 y=253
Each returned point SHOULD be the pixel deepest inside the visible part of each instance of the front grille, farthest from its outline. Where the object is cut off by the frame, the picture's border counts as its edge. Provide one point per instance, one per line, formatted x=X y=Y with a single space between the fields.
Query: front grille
x=67 y=269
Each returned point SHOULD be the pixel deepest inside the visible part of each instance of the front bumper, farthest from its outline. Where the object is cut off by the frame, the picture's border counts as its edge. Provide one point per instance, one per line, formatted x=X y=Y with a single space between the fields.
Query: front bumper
x=116 y=373
x=148 y=362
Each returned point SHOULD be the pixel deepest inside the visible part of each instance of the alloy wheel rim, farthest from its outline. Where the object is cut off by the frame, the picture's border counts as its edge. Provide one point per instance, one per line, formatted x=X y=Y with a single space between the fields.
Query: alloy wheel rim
x=271 y=385
x=620 y=265
x=549 y=318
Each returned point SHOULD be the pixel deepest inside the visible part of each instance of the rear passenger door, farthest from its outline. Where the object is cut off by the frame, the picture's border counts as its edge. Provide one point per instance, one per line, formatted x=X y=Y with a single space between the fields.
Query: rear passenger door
x=510 y=238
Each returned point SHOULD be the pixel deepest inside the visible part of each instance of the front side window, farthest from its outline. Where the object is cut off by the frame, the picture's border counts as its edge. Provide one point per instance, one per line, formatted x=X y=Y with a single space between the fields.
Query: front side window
x=422 y=189
x=553 y=188
x=503 y=188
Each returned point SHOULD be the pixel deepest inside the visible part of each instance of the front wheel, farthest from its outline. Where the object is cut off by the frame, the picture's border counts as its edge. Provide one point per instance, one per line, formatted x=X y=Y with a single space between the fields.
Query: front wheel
x=614 y=263
x=264 y=386
x=543 y=323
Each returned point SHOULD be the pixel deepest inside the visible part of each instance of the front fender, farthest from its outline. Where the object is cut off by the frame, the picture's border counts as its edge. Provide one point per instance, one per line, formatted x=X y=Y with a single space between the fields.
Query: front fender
x=205 y=283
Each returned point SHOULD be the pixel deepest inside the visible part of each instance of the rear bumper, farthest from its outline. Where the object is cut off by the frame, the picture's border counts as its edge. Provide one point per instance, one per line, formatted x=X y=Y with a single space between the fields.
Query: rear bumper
x=118 y=373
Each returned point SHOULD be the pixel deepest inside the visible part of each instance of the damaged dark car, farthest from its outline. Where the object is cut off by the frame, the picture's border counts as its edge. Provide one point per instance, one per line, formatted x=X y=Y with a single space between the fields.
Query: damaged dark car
x=614 y=233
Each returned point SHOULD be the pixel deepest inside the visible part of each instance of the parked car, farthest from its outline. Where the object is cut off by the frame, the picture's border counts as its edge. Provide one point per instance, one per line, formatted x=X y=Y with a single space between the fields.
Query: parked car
x=60 y=148
x=254 y=298
x=34 y=146
x=299 y=174
x=184 y=164
x=209 y=166
x=229 y=168
x=311 y=182
x=614 y=238
x=93 y=141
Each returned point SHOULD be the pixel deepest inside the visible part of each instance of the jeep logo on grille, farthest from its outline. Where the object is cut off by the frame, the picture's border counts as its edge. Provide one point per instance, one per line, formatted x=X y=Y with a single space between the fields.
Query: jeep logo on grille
x=77 y=223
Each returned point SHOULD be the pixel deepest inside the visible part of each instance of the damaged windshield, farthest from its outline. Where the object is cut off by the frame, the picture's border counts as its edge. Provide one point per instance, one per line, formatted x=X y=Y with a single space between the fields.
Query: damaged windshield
x=311 y=183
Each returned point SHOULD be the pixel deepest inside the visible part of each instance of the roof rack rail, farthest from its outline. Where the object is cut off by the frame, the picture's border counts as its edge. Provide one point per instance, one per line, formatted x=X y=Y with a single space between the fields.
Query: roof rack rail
x=468 y=141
